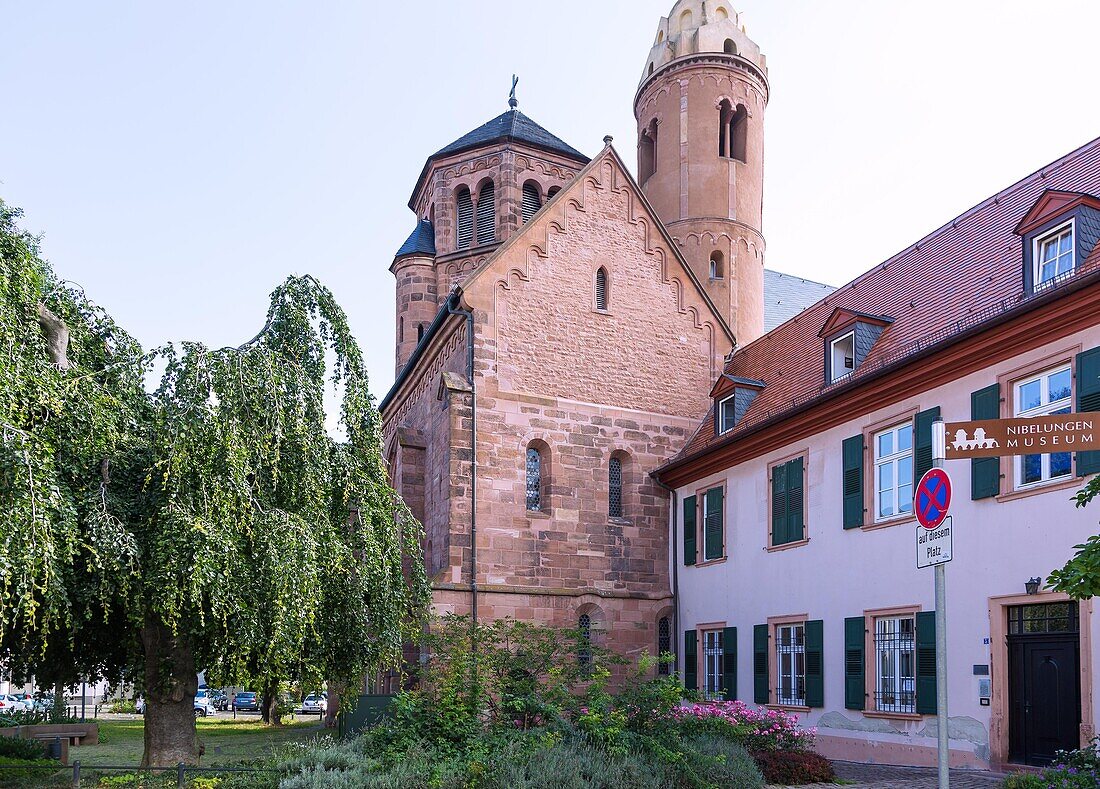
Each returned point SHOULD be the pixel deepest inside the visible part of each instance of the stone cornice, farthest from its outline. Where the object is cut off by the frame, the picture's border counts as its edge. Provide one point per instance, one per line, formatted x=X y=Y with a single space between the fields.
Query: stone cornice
x=698 y=59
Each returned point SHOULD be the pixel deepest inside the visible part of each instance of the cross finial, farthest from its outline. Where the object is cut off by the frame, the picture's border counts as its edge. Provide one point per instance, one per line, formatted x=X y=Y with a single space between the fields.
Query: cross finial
x=512 y=101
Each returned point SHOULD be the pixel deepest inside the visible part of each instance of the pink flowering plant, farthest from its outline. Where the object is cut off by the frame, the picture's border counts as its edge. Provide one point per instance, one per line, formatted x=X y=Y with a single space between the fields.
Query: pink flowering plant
x=757 y=728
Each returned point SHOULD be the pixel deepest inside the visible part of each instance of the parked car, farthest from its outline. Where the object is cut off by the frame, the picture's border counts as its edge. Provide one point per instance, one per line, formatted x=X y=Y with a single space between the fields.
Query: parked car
x=247 y=701
x=314 y=704
x=15 y=703
x=204 y=706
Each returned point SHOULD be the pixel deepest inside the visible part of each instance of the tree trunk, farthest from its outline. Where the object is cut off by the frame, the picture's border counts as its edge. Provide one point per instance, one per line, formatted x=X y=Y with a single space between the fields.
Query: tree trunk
x=60 y=710
x=170 y=686
x=335 y=694
x=269 y=708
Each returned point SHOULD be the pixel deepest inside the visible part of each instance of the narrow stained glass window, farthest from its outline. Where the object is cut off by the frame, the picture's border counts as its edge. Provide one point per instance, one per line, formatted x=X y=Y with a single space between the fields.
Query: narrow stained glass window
x=615 y=488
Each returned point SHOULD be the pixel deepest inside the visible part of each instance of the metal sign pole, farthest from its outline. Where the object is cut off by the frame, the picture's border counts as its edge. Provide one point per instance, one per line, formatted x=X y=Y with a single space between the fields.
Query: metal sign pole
x=939 y=451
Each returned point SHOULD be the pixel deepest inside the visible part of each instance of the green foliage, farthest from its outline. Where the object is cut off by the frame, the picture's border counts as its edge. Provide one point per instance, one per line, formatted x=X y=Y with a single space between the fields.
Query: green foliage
x=793 y=768
x=1080 y=577
x=213 y=523
x=19 y=748
x=121 y=706
x=1024 y=781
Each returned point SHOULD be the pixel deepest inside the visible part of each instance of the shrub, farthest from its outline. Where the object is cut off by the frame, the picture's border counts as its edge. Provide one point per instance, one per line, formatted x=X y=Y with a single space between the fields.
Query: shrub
x=723 y=763
x=791 y=768
x=1024 y=781
x=19 y=748
x=756 y=728
x=122 y=706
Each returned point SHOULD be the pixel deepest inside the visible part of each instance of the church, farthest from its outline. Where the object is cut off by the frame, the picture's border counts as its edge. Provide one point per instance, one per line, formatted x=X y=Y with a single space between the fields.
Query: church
x=559 y=329
x=609 y=414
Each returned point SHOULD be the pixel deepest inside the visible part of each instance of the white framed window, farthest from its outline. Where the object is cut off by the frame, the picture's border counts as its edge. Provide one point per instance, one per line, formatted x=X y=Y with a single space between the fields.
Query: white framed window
x=727 y=415
x=842 y=356
x=790 y=661
x=1053 y=255
x=712 y=663
x=896 y=664
x=894 y=472
x=1049 y=392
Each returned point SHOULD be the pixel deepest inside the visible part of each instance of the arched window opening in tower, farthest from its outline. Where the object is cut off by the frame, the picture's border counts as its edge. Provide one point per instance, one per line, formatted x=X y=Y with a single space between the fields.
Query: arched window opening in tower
x=717 y=270
x=601 y=289
x=486 y=214
x=730 y=48
x=553 y=190
x=584 y=653
x=615 y=487
x=685 y=20
x=419 y=332
x=647 y=152
x=664 y=643
x=720 y=14
x=535 y=479
x=465 y=207
x=531 y=201
x=739 y=133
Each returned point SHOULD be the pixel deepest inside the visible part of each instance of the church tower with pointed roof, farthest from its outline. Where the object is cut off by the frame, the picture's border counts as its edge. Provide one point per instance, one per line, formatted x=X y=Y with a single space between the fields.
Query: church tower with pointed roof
x=700 y=112
x=472 y=196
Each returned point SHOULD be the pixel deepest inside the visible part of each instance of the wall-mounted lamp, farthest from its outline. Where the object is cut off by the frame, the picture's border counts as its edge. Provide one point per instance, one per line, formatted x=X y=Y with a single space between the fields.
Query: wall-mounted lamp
x=1032 y=585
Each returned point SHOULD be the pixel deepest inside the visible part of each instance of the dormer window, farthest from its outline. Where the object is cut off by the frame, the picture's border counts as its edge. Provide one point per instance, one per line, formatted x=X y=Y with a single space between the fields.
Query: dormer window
x=842 y=356
x=727 y=414
x=1053 y=255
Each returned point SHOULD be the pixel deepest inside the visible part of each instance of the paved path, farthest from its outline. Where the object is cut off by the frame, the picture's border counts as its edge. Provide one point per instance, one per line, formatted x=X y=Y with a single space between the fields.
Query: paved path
x=876 y=776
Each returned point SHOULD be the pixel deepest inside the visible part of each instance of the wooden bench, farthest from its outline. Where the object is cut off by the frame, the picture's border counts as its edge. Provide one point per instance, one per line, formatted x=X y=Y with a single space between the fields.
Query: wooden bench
x=74 y=737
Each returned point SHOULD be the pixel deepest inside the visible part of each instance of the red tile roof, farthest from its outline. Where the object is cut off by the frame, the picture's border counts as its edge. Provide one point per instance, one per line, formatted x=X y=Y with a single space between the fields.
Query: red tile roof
x=965 y=273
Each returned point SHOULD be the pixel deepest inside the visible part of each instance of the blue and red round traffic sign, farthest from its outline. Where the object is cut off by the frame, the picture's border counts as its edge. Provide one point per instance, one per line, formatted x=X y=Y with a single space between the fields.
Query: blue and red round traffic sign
x=932 y=498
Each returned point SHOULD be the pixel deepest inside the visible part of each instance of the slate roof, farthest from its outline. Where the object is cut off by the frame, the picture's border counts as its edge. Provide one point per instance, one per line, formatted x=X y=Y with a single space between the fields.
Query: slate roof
x=786 y=295
x=511 y=125
x=420 y=242
x=966 y=273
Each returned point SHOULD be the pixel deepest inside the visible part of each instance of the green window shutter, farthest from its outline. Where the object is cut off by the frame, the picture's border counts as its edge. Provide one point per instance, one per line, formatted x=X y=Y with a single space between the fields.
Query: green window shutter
x=691 y=661
x=796 y=501
x=815 y=670
x=855 y=687
x=926 y=662
x=852 y=456
x=922 y=442
x=760 y=664
x=985 y=473
x=689 y=530
x=779 y=505
x=729 y=662
x=713 y=525
x=1088 y=399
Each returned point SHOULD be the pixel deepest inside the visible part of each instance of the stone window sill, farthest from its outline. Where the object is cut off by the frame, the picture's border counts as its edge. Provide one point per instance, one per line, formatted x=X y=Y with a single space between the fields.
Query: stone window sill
x=538 y=514
x=887 y=523
x=708 y=562
x=894 y=716
x=788 y=708
x=787 y=545
x=1044 y=487
x=601 y=312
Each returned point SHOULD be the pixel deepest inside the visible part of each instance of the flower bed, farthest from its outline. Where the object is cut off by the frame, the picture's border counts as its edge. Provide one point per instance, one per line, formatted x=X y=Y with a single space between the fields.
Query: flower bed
x=757 y=728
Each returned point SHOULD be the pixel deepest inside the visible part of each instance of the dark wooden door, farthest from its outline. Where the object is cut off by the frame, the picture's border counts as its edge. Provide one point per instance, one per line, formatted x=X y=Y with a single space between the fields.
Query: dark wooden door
x=1044 y=696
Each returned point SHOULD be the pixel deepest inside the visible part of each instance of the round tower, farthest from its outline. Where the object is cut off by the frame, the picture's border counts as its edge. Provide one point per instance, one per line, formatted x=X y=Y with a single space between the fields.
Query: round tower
x=417 y=293
x=700 y=112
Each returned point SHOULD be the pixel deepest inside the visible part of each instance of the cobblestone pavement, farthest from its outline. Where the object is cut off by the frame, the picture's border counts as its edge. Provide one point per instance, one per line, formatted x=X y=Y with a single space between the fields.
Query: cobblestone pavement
x=877 y=776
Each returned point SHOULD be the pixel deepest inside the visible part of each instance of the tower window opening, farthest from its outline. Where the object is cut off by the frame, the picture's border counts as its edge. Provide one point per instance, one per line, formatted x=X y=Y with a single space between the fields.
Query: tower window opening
x=730 y=48
x=532 y=202
x=651 y=68
x=647 y=152
x=717 y=270
x=553 y=190
x=465 y=206
x=486 y=214
x=733 y=131
x=685 y=20
x=601 y=289
x=419 y=332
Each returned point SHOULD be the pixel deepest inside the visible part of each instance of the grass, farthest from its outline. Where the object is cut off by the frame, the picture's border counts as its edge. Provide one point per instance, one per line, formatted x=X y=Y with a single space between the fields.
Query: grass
x=227 y=742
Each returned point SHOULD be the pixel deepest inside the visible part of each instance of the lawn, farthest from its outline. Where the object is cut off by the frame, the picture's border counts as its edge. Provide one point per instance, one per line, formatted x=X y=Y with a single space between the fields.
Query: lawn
x=226 y=740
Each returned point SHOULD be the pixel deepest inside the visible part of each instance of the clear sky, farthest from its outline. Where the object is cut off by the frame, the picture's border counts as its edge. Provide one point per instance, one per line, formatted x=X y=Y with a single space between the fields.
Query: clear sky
x=182 y=159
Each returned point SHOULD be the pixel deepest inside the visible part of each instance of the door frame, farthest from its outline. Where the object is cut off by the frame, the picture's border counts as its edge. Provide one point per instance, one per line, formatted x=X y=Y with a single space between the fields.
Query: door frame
x=998 y=647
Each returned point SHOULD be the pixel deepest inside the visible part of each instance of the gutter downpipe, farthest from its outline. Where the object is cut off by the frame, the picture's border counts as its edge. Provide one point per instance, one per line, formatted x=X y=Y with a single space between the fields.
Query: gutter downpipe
x=454 y=309
x=675 y=635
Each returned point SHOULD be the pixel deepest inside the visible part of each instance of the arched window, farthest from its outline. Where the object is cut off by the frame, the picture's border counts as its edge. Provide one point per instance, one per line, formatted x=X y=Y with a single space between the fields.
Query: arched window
x=534 y=478
x=717 y=270
x=647 y=152
x=660 y=36
x=465 y=206
x=419 y=332
x=685 y=20
x=584 y=653
x=733 y=130
x=553 y=190
x=729 y=47
x=486 y=214
x=531 y=201
x=615 y=487
x=664 y=642
x=601 y=288
x=401 y=329
x=721 y=14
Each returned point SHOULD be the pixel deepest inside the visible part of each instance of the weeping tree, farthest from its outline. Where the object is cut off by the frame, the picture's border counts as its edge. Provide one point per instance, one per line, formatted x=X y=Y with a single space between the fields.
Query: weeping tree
x=213 y=524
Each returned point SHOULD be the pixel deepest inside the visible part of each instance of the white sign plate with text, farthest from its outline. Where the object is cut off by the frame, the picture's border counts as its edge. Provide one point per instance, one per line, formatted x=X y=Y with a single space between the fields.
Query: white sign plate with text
x=934 y=545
